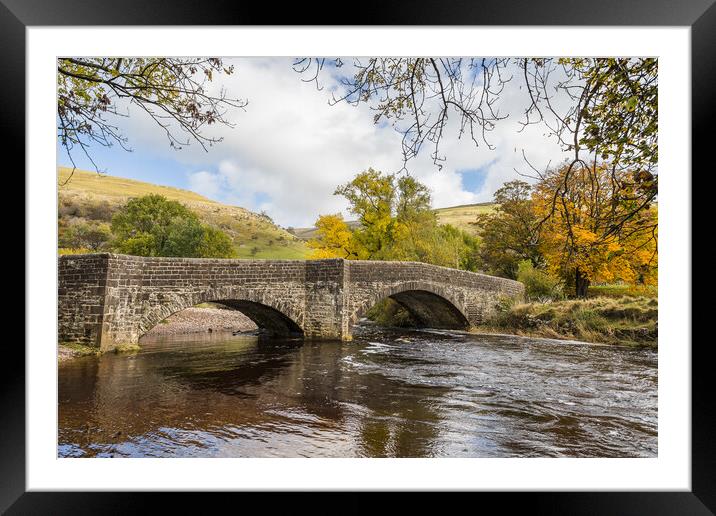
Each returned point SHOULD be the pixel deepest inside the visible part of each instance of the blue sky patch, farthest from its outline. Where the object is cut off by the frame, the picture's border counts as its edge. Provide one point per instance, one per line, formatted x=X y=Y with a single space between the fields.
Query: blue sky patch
x=261 y=198
x=473 y=179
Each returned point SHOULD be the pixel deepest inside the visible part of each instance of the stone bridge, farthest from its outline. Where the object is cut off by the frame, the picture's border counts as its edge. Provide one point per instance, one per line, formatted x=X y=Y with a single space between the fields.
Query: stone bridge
x=106 y=300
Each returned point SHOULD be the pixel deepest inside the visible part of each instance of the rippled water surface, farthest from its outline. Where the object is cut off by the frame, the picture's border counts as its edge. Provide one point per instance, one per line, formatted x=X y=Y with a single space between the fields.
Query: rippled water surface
x=386 y=394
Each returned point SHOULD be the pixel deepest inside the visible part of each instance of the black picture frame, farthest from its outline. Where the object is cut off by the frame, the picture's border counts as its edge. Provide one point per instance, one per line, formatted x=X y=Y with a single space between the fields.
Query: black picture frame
x=700 y=15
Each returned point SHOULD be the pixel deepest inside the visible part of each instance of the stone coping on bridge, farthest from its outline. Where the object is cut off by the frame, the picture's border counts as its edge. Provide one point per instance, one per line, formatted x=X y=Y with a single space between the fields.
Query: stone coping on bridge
x=269 y=261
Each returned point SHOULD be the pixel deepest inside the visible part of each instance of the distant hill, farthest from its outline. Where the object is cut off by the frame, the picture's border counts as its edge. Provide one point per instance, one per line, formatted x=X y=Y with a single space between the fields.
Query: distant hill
x=89 y=195
x=458 y=216
x=462 y=216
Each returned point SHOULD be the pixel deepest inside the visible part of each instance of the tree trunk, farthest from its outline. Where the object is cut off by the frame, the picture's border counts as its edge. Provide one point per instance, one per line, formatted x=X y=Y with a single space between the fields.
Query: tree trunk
x=581 y=284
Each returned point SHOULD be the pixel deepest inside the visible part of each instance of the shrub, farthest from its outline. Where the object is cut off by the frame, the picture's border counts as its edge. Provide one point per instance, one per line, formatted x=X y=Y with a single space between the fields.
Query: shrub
x=68 y=250
x=539 y=285
x=85 y=235
x=101 y=211
x=68 y=208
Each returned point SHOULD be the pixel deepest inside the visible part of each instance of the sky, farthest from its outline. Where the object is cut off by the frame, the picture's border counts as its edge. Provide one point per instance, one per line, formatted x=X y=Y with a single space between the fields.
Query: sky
x=289 y=149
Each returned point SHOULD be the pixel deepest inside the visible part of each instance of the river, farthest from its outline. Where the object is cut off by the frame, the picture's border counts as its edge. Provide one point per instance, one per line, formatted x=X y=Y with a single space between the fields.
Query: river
x=387 y=393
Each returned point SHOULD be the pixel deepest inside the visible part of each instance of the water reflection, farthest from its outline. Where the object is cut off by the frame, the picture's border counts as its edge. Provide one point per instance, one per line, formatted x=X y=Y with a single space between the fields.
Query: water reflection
x=386 y=394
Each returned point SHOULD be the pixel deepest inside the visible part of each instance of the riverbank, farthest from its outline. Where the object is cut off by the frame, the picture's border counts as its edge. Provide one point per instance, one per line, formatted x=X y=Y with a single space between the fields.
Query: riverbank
x=626 y=320
x=68 y=350
x=203 y=320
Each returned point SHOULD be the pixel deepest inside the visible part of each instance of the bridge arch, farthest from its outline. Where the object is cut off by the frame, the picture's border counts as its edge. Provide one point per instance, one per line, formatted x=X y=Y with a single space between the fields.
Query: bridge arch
x=431 y=304
x=267 y=311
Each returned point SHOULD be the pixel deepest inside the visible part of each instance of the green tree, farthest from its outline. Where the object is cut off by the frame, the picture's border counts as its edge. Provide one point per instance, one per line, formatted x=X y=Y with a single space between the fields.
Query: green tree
x=413 y=199
x=463 y=248
x=154 y=226
x=184 y=237
x=510 y=233
x=215 y=244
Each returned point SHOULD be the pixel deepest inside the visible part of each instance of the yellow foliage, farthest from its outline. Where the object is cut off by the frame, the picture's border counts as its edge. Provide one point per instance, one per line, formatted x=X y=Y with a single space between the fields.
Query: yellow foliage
x=335 y=239
x=593 y=232
x=77 y=250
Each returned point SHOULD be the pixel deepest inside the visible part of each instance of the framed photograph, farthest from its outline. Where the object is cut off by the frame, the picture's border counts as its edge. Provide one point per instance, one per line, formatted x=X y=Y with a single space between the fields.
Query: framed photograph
x=430 y=248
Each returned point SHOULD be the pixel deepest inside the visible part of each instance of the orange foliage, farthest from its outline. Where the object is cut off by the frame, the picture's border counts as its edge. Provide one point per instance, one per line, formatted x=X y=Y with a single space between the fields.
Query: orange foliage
x=597 y=227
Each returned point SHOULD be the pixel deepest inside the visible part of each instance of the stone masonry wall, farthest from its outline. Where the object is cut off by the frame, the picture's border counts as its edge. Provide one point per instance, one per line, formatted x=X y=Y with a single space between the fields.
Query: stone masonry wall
x=81 y=289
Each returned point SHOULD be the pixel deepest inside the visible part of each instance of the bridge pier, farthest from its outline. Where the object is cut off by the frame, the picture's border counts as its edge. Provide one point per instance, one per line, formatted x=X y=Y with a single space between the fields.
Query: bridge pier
x=109 y=300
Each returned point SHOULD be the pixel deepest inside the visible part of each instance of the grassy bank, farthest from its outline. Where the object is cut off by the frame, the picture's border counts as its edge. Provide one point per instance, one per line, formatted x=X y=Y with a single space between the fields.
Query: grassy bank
x=618 y=290
x=624 y=320
x=68 y=350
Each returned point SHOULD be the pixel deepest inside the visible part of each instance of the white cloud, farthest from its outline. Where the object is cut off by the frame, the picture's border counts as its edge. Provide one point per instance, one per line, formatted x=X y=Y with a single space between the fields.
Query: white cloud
x=205 y=183
x=290 y=149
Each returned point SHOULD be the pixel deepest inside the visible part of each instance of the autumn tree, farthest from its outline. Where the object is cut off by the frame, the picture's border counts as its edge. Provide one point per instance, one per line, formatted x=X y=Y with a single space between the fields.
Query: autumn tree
x=509 y=234
x=334 y=239
x=599 y=230
x=395 y=222
x=93 y=93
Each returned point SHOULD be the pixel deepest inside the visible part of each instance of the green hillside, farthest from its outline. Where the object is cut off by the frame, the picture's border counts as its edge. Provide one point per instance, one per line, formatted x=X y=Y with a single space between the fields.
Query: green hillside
x=462 y=216
x=91 y=196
